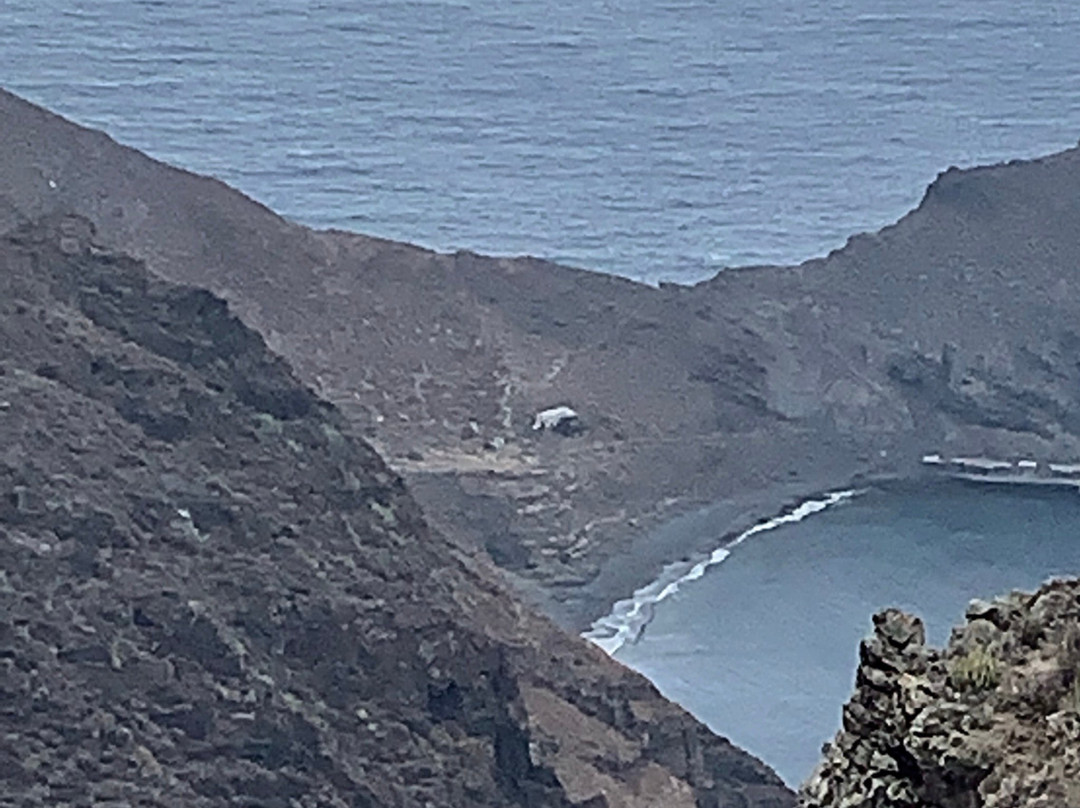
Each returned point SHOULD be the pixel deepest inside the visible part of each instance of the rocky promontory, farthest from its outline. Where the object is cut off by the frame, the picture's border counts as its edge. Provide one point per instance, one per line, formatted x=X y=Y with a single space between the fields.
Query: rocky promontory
x=992 y=719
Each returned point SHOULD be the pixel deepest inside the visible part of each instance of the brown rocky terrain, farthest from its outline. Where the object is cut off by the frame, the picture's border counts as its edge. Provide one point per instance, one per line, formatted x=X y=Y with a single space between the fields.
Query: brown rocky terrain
x=991 y=720
x=951 y=331
x=213 y=592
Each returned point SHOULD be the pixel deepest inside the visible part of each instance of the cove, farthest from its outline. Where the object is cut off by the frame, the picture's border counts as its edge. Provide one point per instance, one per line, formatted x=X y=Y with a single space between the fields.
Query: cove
x=763 y=646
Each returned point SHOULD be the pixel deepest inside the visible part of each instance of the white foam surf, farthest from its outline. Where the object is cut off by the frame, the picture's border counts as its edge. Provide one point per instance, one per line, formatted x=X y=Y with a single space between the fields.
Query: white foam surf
x=628 y=618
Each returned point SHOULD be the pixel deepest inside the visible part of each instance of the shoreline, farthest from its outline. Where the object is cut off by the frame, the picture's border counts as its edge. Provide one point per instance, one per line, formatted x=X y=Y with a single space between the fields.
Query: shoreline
x=682 y=539
x=630 y=616
x=671 y=548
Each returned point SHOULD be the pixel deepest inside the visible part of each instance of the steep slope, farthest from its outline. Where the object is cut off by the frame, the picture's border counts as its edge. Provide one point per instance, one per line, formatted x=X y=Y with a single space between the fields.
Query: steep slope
x=951 y=332
x=991 y=720
x=212 y=592
x=417 y=348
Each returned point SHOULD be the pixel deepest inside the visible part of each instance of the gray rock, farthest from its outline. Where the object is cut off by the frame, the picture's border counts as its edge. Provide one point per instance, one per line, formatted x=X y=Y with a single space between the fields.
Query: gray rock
x=991 y=720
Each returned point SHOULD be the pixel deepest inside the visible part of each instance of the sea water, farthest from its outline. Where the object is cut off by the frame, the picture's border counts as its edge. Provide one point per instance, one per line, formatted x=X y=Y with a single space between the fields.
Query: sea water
x=657 y=139
x=763 y=646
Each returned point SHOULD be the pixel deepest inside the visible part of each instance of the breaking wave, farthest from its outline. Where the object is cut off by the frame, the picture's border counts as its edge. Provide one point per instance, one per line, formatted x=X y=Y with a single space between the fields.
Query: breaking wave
x=628 y=618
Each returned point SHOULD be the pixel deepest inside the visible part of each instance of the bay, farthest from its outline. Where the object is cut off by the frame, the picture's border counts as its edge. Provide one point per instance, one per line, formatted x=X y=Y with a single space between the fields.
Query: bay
x=763 y=647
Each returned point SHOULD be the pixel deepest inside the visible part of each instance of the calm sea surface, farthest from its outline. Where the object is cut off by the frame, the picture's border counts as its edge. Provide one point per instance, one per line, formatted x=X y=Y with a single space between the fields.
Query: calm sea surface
x=658 y=139
x=763 y=648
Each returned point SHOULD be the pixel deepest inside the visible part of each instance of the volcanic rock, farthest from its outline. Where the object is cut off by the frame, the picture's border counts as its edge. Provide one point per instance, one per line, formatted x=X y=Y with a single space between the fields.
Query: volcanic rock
x=992 y=720
x=214 y=592
x=948 y=333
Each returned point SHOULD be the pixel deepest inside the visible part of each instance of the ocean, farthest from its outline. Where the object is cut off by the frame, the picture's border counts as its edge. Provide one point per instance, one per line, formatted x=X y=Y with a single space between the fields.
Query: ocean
x=763 y=645
x=655 y=139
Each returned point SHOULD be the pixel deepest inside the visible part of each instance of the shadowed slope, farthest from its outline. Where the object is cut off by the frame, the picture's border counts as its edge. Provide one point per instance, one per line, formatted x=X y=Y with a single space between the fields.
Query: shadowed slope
x=213 y=593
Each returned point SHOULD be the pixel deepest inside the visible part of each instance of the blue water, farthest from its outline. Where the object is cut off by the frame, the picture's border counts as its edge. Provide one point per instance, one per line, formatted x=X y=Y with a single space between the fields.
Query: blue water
x=658 y=139
x=764 y=646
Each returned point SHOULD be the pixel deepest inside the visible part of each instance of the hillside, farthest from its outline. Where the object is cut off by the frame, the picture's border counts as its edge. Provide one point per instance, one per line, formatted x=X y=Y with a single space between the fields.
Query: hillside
x=950 y=332
x=213 y=592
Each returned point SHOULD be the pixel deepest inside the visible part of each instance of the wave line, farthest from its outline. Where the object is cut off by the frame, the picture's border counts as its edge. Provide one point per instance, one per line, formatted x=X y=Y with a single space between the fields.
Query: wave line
x=628 y=618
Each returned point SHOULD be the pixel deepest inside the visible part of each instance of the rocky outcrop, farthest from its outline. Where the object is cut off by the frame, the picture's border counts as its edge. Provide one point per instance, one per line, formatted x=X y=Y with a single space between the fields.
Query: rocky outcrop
x=213 y=592
x=991 y=720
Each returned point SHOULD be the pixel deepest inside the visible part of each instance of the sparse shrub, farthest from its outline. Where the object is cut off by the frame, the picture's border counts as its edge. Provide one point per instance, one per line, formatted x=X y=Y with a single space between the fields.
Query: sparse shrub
x=1072 y=698
x=976 y=670
x=1070 y=645
x=266 y=424
x=1031 y=631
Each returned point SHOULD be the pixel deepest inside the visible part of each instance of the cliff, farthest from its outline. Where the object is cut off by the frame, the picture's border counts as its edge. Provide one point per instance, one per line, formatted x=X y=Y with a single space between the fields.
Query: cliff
x=213 y=592
x=991 y=720
x=950 y=332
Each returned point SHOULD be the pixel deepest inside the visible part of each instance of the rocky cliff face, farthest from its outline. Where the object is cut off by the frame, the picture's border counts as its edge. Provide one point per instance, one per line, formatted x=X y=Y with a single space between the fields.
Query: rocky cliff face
x=212 y=592
x=951 y=332
x=991 y=720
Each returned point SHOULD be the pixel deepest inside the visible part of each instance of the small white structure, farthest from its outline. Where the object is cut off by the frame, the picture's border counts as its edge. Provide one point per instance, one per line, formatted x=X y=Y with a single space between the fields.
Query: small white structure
x=1028 y=465
x=932 y=460
x=561 y=419
x=980 y=465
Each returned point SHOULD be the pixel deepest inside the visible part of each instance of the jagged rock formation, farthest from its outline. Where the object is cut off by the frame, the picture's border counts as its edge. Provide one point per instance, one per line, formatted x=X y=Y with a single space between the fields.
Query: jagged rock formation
x=951 y=331
x=991 y=720
x=212 y=592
